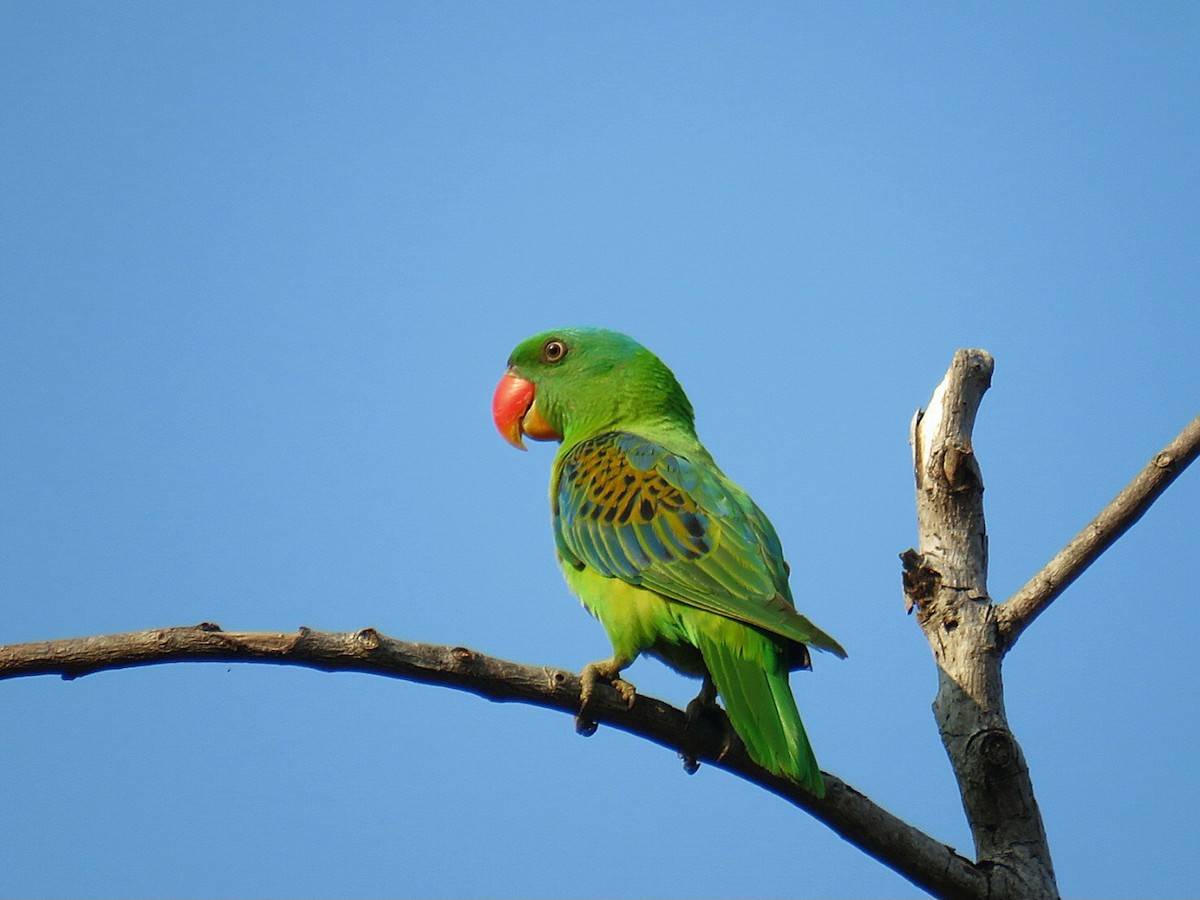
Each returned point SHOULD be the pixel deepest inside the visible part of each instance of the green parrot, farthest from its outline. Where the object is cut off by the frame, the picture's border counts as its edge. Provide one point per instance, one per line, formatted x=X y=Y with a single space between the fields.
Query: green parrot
x=672 y=557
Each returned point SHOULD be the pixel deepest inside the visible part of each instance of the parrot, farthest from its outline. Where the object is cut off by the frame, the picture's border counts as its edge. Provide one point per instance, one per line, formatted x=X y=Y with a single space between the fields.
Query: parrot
x=674 y=559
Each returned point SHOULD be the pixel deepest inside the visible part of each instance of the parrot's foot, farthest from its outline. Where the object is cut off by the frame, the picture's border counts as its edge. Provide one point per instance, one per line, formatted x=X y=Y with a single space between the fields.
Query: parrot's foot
x=704 y=708
x=609 y=671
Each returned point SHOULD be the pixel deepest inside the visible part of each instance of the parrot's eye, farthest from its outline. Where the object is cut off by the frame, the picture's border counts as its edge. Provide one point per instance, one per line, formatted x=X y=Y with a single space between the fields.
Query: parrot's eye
x=553 y=350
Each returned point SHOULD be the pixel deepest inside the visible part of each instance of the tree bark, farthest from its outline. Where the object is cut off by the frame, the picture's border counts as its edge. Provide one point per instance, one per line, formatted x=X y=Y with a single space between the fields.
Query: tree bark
x=1085 y=548
x=946 y=583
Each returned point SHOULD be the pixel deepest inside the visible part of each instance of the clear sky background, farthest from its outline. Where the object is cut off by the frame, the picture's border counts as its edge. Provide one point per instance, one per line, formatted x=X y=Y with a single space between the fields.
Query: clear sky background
x=261 y=266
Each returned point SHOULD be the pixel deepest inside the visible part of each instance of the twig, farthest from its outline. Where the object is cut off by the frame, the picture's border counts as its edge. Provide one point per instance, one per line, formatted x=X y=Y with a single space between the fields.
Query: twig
x=1015 y=615
x=926 y=862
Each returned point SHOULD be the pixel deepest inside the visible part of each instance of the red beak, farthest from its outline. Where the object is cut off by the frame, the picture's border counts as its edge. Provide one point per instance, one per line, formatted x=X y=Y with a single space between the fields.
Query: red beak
x=513 y=397
x=515 y=412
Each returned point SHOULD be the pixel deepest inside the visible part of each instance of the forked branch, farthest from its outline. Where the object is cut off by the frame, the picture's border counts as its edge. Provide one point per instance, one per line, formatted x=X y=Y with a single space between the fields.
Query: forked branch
x=945 y=582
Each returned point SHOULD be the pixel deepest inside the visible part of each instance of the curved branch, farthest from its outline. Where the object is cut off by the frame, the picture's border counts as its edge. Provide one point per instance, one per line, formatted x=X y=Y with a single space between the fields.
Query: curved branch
x=926 y=862
x=1015 y=615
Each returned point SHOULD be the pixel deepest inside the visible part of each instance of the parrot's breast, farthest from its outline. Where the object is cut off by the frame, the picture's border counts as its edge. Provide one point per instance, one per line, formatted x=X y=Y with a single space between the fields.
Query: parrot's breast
x=638 y=620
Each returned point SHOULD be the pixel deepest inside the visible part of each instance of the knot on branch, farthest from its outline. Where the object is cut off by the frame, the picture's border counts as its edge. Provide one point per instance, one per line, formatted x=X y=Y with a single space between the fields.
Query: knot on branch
x=557 y=679
x=367 y=638
x=995 y=747
x=921 y=581
x=466 y=660
x=961 y=468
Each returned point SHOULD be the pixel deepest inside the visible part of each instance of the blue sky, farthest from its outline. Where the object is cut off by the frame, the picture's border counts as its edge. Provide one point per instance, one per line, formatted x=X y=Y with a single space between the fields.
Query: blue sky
x=262 y=265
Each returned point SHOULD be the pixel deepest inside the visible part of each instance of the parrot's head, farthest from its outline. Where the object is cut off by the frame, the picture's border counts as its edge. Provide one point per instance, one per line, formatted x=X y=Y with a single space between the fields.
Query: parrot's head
x=583 y=381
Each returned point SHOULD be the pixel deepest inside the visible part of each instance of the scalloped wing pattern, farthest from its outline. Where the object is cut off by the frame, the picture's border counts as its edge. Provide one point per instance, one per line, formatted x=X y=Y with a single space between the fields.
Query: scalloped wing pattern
x=628 y=508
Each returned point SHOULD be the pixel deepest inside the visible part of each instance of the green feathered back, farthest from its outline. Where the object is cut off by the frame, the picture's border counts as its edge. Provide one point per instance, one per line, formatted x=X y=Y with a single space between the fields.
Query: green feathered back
x=631 y=509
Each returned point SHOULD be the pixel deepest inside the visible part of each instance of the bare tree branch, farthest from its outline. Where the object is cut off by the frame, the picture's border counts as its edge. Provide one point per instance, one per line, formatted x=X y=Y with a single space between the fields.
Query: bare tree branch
x=1015 y=615
x=946 y=582
x=926 y=862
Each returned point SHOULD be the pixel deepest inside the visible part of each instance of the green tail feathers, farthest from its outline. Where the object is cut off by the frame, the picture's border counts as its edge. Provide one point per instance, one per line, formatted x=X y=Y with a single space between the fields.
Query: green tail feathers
x=758 y=700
